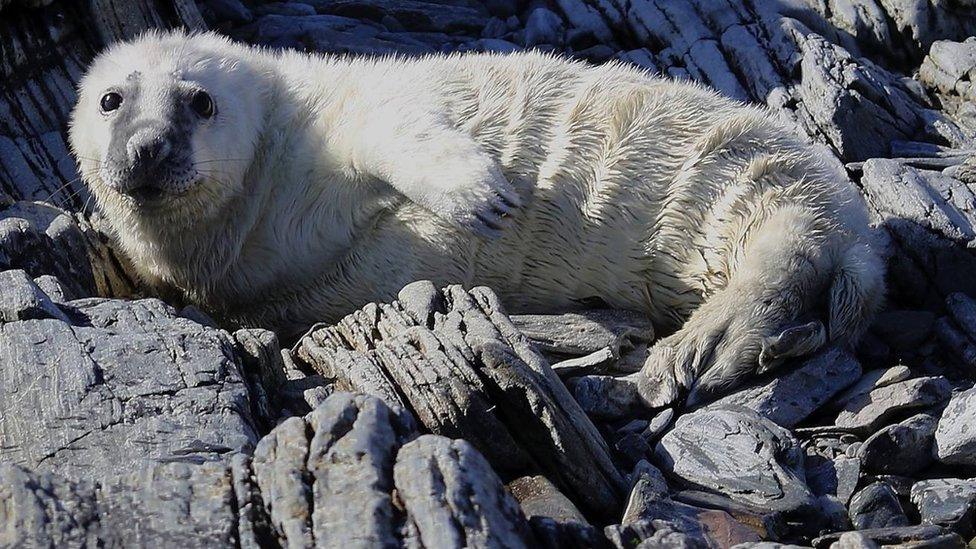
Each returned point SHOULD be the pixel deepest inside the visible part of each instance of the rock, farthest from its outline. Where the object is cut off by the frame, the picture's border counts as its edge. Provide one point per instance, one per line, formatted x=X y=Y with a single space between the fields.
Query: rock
x=957 y=331
x=790 y=397
x=955 y=437
x=540 y=498
x=877 y=506
x=454 y=498
x=911 y=536
x=592 y=363
x=123 y=385
x=947 y=502
x=229 y=10
x=22 y=299
x=900 y=449
x=904 y=329
x=543 y=27
x=453 y=359
x=283 y=8
x=854 y=540
x=586 y=332
x=870 y=381
x=870 y=411
x=929 y=217
x=695 y=526
x=648 y=485
x=418 y=16
x=837 y=477
x=740 y=454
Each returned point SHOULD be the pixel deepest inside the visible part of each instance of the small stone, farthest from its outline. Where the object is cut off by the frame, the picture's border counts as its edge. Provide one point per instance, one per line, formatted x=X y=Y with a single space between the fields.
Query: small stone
x=539 y=497
x=900 y=449
x=870 y=411
x=947 y=502
x=52 y=287
x=22 y=299
x=660 y=422
x=647 y=484
x=876 y=506
x=740 y=454
x=955 y=437
x=853 y=540
x=593 y=363
x=605 y=397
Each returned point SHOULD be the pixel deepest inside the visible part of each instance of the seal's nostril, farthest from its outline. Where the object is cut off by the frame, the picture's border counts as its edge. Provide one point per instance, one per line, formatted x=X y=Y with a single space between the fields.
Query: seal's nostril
x=147 y=151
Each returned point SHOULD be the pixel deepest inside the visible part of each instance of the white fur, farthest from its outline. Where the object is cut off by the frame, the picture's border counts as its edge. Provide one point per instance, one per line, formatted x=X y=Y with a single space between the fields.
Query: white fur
x=327 y=183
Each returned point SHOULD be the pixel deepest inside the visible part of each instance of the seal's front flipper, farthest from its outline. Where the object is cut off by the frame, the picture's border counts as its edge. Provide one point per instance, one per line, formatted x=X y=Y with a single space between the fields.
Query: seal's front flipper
x=436 y=166
x=791 y=342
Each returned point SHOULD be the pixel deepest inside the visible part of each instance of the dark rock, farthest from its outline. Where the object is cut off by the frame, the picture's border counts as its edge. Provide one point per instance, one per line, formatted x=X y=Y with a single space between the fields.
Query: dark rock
x=870 y=411
x=694 y=526
x=740 y=454
x=648 y=485
x=283 y=8
x=792 y=396
x=836 y=477
x=947 y=502
x=957 y=331
x=955 y=437
x=229 y=10
x=904 y=329
x=900 y=449
x=543 y=27
x=877 y=506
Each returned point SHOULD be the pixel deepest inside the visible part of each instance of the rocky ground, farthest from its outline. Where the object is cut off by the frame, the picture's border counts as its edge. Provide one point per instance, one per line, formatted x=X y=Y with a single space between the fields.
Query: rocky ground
x=437 y=420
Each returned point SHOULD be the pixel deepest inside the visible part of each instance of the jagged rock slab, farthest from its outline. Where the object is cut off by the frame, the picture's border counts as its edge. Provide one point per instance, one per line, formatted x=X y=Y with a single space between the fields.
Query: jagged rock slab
x=957 y=330
x=947 y=502
x=735 y=452
x=930 y=218
x=351 y=473
x=955 y=437
x=458 y=363
x=665 y=521
x=876 y=506
x=791 y=396
x=870 y=381
x=869 y=412
x=900 y=449
x=123 y=385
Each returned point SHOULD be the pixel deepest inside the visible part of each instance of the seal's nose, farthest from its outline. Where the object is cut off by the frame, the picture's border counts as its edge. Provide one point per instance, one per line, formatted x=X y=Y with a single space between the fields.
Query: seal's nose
x=147 y=148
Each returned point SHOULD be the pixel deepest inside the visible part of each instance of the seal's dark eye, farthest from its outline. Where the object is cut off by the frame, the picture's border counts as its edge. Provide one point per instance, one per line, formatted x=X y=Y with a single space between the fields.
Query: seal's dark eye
x=110 y=101
x=202 y=104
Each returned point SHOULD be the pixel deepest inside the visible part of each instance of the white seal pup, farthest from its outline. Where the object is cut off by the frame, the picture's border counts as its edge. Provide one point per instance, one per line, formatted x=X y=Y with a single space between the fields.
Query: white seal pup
x=282 y=189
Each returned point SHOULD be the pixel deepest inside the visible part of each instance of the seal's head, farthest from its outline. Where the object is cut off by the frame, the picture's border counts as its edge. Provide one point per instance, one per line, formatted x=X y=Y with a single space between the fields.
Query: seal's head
x=167 y=123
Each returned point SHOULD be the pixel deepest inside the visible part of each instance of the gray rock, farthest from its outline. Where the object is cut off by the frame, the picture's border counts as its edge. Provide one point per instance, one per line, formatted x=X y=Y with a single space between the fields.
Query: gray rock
x=790 y=397
x=740 y=454
x=957 y=331
x=930 y=219
x=869 y=412
x=877 y=506
x=870 y=381
x=955 y=437
x=947 y=502
x=670 y=522
x=910 y=536
x=456 y=361
x=854 y=540
x=453 y=498
x=22 y=299
x=122 y=386
x=900 y=449
x=582 y=333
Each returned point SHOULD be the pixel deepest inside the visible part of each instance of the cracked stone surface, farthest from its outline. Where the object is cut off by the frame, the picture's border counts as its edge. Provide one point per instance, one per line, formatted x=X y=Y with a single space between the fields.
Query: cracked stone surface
x=123 y=385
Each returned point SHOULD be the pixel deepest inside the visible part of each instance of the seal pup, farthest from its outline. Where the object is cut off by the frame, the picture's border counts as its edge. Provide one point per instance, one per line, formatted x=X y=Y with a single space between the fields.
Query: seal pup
x=280 y=189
